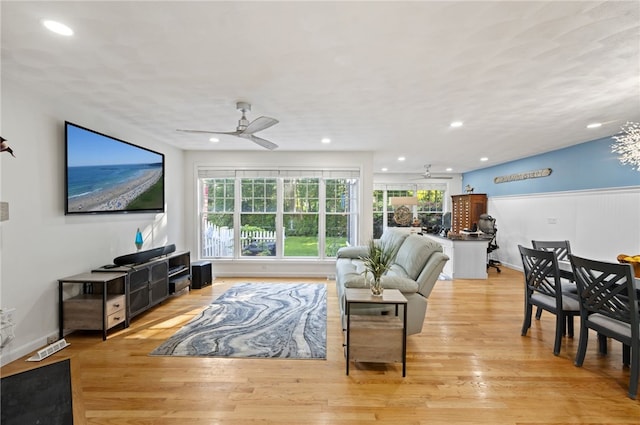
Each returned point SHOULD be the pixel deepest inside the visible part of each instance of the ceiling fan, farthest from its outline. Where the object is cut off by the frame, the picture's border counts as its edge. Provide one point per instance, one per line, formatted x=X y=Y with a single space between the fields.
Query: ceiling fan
x=427 y=174
x=247 y=129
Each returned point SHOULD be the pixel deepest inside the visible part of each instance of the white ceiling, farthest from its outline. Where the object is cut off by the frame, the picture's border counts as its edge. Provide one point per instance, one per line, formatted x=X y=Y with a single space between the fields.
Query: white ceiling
x=388 y=77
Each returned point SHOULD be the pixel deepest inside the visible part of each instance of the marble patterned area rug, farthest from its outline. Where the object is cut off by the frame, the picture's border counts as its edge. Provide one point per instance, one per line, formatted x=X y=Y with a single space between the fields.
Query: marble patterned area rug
x=259 y=320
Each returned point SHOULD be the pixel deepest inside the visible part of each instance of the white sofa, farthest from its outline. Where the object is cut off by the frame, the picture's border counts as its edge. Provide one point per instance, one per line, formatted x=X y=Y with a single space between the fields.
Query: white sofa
x=417 y=265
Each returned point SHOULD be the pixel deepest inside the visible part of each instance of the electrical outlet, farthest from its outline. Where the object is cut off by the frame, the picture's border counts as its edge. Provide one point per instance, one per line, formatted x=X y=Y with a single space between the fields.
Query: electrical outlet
x=51 y=339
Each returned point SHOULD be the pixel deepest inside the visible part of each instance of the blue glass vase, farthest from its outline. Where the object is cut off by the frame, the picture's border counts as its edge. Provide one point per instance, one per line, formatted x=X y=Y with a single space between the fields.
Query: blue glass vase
x=139 y=240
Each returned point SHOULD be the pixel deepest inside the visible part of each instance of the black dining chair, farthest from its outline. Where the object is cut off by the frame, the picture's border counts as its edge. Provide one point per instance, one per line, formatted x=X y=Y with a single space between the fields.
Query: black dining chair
x=562 y=250
x=543 y=289
x=609 y=305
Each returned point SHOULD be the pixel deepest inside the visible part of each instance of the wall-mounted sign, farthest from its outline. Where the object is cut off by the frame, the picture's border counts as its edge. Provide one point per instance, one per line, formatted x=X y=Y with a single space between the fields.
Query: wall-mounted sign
x=545 y=172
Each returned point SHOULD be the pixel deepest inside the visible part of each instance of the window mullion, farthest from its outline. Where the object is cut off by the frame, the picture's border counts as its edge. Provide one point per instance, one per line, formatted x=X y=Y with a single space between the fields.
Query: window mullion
x=322 y=218
x=280 y=236
x=237 y=209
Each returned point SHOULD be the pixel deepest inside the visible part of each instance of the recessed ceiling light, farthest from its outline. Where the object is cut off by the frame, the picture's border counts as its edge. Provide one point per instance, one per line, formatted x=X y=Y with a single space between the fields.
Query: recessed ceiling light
x=214 y=140
x=594 y=125
x=57 y=27
x=326 y=140
x=401 y=158
x=449 y=169
x=384 y=169
x=455 y=124
x=484 y=158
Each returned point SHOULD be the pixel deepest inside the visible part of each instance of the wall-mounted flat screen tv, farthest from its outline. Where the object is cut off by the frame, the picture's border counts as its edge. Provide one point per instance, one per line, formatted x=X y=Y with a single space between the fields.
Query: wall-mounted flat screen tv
x=109 y=175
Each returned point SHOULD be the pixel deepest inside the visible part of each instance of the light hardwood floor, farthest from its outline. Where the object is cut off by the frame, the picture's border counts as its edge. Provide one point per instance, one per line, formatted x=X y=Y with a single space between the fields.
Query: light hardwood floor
x=469 y=366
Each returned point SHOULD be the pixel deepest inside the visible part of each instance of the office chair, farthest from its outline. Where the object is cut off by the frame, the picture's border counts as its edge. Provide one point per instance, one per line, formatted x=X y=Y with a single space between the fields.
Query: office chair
x=487 y=225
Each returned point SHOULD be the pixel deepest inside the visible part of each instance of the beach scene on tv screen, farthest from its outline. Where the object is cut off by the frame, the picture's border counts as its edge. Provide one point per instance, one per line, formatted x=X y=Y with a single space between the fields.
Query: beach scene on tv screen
x=108 y=175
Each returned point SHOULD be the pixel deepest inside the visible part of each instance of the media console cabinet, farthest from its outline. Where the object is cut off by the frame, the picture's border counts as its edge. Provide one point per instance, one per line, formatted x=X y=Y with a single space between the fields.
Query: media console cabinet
x=113 y=295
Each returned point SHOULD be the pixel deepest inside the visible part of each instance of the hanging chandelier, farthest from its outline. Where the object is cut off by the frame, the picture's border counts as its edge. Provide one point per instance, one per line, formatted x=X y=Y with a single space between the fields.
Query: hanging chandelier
x=627 y=145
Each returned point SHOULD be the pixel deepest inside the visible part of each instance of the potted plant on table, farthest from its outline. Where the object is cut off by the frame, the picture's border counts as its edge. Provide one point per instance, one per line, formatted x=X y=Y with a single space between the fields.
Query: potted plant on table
x=377 y=261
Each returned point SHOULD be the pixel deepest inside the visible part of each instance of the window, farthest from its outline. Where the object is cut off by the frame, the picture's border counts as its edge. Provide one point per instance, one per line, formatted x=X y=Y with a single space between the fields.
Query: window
x=378 y=213
x=429 y=210
x=341 y=214
x=301 y=218
x=279 y=213
x=430 y=207
x=258 y=217
x=216 y=216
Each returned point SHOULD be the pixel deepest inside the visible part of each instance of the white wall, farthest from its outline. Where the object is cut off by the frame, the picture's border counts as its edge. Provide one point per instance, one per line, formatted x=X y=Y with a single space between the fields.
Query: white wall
x=39 y=244
x=599 y=224
x=252 y=159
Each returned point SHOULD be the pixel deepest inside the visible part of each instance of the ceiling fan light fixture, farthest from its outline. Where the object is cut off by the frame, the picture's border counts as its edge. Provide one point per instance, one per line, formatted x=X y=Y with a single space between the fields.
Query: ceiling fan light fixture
x=427 y=174
x=246 y=129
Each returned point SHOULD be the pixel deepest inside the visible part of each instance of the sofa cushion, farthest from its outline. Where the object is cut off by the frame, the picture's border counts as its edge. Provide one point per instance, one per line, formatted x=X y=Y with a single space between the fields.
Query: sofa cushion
x=413 y=255
x=405 y=285
x=356 y=251
x=392 y=239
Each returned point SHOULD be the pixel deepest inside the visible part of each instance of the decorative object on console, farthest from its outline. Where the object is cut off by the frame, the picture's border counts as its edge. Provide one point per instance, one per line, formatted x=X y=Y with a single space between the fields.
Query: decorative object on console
x=402 y=214
x=377 y=261
x=4 y=147
x=139 y=241
x=468 y=189
x=628 y=145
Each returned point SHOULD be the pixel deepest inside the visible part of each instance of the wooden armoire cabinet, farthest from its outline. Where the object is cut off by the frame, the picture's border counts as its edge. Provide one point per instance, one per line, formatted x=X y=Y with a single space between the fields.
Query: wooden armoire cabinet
x=466 y=209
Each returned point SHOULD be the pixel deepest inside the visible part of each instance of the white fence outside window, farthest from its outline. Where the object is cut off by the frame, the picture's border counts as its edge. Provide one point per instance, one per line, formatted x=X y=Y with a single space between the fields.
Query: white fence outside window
x=217 y=241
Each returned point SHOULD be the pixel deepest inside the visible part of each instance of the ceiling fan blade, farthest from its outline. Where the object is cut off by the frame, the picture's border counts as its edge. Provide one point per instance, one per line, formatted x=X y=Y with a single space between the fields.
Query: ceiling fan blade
x=259 y=124
x=229 y=133
x=262 y=142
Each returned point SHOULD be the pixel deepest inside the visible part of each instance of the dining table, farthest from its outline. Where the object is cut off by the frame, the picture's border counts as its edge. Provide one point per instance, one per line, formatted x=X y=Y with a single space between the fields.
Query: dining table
x=565 y=266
